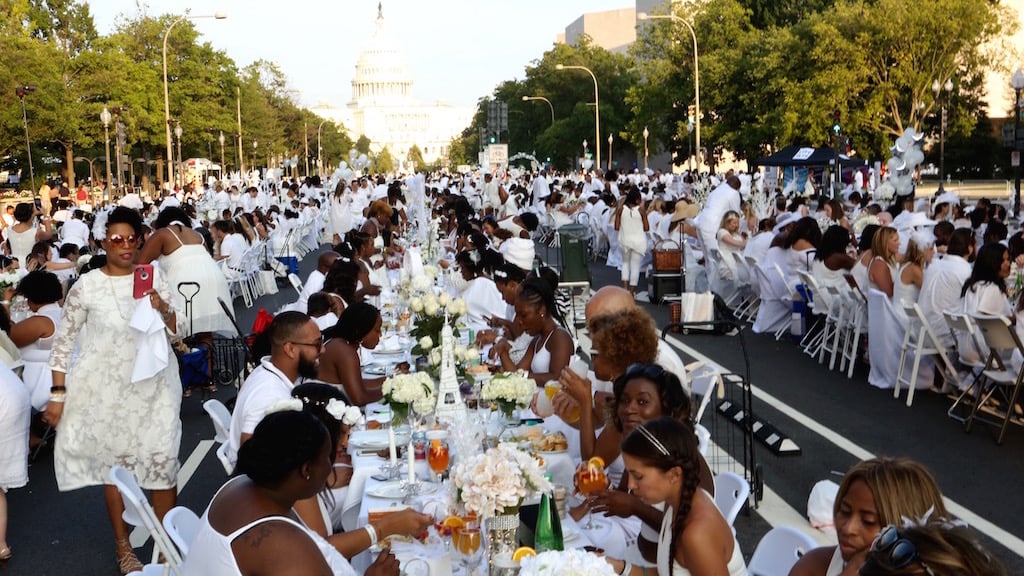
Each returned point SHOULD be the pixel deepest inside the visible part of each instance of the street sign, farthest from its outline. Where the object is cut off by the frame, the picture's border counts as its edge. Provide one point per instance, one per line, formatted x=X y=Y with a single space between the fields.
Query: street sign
x=1015 y=158
x=497 y=154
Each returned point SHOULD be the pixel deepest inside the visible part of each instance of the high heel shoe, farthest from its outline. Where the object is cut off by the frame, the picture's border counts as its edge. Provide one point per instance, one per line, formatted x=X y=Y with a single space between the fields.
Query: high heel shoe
x=5 y=555
x=127 y=562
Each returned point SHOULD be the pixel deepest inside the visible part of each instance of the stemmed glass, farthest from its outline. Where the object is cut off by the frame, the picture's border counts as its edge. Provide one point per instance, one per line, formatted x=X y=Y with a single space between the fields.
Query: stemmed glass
x=438 y=457
x=589 y=478
x=468 y=546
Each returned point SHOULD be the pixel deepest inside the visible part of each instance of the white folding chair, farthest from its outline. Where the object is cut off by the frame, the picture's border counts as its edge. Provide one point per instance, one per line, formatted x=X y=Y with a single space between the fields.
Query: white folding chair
x=221 y=418
x=222 y=455
x=778 y=551
x=963 y=325
x=138 y=512
x=296 y=282
x=731 y=492
x=856 y=314
x=920 y=339
x=704 y=380
x=1001 y=339
x=812 y=339
x=181 y=525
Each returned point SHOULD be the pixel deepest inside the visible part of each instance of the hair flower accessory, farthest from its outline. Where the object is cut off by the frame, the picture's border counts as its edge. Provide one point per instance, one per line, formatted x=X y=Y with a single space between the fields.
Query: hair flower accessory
x=99 y=225
x=348 y=415
x=293 y=404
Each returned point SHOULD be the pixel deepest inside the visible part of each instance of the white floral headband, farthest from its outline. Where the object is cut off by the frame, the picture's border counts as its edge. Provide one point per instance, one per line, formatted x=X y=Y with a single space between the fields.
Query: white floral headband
x=348 y=415
x=290 y=404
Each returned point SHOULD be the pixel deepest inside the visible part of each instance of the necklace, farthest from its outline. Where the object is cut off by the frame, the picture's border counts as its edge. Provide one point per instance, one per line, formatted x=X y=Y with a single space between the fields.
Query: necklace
x=113 y=295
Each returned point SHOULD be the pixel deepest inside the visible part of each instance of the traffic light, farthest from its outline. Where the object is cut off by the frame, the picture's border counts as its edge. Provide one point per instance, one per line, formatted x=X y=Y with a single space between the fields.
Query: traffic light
x=492 y=138
x=836 y=127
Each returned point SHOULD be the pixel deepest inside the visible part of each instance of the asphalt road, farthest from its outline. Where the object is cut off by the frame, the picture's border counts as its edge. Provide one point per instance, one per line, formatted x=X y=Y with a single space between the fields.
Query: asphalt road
x=54 y=533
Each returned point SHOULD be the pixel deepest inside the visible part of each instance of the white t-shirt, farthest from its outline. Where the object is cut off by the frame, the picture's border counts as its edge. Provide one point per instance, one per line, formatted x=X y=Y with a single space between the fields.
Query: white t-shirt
x=233 y=248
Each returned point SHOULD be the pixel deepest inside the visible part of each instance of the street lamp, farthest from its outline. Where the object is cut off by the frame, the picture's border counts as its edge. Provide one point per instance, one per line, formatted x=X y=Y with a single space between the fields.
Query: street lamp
x=319 y=152
x=696 y=69
x=528 y=98
x=177 y=132
x=1017 y=81
x=23 y=91
x=944 y=90
x=105 y=118
x=597 y=107
x=610 y=139
x=222 y=167
x=646 y=134
x=167 y=102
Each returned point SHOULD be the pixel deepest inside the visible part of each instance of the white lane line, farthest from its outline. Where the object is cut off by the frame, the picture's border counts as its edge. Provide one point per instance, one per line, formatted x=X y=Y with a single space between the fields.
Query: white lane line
x=140 y=535
x=1003 y=537
x=772 y=508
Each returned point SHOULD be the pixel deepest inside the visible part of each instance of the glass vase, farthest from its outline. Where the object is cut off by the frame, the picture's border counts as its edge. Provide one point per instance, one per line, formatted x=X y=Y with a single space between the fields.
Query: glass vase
x=502 y=536
x=399 y=414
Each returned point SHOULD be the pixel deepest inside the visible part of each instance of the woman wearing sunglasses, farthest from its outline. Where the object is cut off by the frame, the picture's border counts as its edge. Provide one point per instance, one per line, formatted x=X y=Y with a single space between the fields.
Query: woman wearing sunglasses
x=874 y=493
x=664 y=466
x=116 y=404
x=933 y=549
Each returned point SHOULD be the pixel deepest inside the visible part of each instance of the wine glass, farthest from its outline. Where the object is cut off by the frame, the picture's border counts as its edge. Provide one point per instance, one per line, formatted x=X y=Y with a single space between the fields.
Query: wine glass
x=437 y=453
x=589 y=478
x=468 y=546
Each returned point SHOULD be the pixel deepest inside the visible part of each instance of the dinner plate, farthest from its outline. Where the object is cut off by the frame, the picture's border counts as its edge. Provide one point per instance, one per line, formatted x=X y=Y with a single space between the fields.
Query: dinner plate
x=389 y=352
x=390 y=490
x=552 y=453
x=377 y=369
x=375 y=439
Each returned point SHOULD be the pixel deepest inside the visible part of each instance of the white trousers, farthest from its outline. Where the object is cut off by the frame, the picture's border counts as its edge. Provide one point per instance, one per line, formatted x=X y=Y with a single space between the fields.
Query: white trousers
x=631 y=260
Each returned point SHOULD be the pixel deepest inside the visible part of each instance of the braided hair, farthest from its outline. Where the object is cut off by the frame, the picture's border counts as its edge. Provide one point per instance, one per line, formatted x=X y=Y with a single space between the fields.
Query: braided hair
x=537 y=292
x=666 y=443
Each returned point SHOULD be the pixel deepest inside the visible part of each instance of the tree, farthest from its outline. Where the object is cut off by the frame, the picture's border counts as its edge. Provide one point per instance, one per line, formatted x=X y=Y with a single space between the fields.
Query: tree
x=416 y=157
x=363 y=145
x=383 y=162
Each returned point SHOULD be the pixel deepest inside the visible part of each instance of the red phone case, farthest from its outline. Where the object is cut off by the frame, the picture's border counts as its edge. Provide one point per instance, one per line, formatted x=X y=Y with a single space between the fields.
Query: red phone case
x=143 y=280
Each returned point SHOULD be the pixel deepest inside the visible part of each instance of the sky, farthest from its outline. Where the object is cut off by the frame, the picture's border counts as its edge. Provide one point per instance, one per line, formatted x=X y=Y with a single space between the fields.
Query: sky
x=457 y=50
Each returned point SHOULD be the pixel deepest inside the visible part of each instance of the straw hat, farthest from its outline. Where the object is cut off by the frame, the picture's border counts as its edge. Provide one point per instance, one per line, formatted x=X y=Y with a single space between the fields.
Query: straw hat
x=685 y=210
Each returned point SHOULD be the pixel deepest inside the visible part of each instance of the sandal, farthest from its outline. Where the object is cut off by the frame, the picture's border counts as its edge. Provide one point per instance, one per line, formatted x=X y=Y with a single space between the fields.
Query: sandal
x=127 y=562
x=5 y=555
x=187 y=393
x=212 y=388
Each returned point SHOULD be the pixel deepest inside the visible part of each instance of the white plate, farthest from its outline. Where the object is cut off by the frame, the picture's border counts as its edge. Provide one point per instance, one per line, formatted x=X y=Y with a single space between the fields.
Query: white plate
x=375 y=439
x=390 y=490
x=389 y=351
x=552 y=453
x=377 y=369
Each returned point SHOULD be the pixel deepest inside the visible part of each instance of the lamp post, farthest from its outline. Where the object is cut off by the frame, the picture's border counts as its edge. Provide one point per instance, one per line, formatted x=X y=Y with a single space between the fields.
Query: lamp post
x=597 y=107
x=305 y=145
x=238 y=104
x=254 y=163
x=222 y=167
x=610 y=140
x=167 y=102
x=943 y=90
x=105 y=118
x=23 y=91
x=696 y=70
x=319 y=152
x=528 y=98
x=1017 y=81
x=584 y=155
x=646 y=134
x=177 y=132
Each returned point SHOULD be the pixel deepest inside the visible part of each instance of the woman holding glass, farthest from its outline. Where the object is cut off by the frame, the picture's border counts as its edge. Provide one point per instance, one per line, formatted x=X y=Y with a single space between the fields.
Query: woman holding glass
x=110 y=412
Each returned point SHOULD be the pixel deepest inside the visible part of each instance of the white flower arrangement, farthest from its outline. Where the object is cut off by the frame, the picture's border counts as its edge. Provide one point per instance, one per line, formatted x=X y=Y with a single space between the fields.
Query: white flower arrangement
x=415 y=389
x=498 y=480
x=426 y=343
x=884 y=193
x=9 y=279
x=567 y=563
x=863 y=221
x=288 y=404
x=348 y=415
x=510 y=387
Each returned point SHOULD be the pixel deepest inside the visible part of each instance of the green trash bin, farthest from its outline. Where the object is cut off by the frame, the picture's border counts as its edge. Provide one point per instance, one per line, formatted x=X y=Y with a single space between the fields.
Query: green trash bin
x=572 y=239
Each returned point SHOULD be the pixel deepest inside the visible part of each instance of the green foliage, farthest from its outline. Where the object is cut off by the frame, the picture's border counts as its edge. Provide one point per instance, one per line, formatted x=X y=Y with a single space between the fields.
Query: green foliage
x=416 y=155
x=383 y=162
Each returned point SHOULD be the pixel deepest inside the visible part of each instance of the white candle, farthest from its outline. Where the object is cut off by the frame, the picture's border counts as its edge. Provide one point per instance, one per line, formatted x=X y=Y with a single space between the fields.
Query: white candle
x=391 y=447
x=412 y=464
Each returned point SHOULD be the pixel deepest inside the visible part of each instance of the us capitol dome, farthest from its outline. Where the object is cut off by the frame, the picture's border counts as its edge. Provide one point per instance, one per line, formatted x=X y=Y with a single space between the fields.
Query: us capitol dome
x=383 y=107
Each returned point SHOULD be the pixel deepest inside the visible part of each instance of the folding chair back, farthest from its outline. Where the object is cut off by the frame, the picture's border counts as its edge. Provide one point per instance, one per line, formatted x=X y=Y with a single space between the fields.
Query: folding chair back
x=779 y=550
x=296 y=282
x=221 y=418
x=181 y=525
x=138 y=512
x=731 y=492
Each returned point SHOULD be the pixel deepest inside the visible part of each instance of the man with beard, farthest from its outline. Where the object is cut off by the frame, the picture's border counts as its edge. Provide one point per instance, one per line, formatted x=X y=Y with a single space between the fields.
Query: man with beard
x=295 y=345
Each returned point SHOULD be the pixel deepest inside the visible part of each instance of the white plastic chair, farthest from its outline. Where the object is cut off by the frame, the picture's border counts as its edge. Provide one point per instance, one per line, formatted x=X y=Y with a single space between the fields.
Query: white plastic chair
x=778 y=551
x=704 y=380
x=731 y=492
x=296 y=282
x=138 y=512
x=221 y=418
x=963 y=325
x=181 y=525
x=919 y=338
x=222 y=455
x=1001 y=339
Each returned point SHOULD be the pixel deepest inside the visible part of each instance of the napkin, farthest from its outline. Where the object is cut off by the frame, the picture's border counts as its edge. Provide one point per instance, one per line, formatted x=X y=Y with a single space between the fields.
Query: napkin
x=437 y=559
x=151 y=346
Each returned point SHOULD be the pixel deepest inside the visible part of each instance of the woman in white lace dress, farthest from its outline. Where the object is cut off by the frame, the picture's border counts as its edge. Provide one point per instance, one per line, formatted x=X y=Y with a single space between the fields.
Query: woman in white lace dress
x=103 y=418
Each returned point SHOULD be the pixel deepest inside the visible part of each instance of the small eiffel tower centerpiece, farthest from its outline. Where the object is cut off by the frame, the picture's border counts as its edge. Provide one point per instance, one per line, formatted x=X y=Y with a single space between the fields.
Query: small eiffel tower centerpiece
x=449 y=400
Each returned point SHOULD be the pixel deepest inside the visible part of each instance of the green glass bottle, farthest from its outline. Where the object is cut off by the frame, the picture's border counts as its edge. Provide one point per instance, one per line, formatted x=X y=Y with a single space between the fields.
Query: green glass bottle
x=548 y=533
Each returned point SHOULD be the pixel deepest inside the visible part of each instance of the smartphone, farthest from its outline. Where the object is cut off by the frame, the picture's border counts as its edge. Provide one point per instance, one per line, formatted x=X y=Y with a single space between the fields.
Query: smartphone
x=39 y=202
x=143 y=280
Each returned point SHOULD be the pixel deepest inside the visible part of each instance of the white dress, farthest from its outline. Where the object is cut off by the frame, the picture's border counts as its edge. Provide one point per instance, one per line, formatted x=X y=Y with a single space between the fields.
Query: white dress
x=670 y=567
x=37 y=375
x=108 y=420
x=15 y=412
x=192 y=263
x=483 y=300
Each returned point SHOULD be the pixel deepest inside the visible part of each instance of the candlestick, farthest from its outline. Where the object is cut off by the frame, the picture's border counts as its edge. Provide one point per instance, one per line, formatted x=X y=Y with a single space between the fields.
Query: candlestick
x=412 y=463
x=392 y=452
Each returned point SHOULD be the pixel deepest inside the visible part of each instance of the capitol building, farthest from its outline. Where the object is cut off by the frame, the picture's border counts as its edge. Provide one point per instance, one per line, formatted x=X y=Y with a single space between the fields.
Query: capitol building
x=383 y=108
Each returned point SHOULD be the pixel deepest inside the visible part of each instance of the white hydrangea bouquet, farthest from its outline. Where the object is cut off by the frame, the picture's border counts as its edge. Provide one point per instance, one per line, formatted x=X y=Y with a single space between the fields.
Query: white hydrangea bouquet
x=496 y=482
x=571 y=562
x=509 y=390
x=431 y=314
x=464 y=356
x=403 y=392
x=8 y=279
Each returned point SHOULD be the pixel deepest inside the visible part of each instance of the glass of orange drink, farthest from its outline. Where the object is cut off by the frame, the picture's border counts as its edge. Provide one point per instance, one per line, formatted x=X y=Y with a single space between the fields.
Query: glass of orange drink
x=590 y=477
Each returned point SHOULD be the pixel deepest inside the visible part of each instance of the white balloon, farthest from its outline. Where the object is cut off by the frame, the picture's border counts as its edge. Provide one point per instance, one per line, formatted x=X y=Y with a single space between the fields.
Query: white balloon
x=362 y=158
x=343 y=165
x=346 y=174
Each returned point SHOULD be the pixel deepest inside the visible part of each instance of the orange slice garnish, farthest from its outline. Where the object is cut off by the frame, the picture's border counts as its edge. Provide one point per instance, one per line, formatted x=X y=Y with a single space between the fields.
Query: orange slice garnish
x=523 y=552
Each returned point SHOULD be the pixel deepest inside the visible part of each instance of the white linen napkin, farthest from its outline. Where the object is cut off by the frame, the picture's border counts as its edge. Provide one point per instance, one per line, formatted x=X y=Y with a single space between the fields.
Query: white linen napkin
x=151 y=346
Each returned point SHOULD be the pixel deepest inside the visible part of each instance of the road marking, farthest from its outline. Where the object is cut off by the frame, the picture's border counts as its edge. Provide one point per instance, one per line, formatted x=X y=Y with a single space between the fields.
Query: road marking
x=1009 y=541
x=140 y=535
